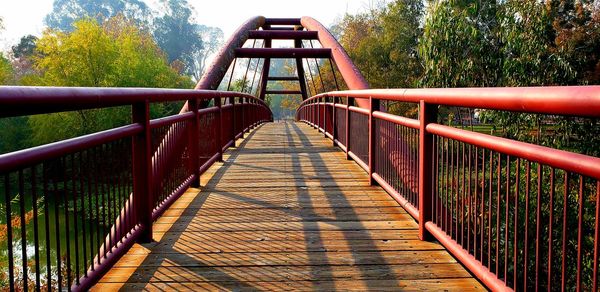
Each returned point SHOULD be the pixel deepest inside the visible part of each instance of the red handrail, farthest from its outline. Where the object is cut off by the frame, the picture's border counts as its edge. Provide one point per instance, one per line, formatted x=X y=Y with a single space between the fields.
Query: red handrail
x=152 y=160
x=472 y=187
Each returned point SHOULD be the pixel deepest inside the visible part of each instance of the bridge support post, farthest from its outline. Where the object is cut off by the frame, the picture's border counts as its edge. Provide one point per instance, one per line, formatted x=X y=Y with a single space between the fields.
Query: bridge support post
x=334 y=132
x=325 y=116
x=219 y=128
x=143 y=199
x=233 y=121
x=374 y=106
x=427 y=114
x=348 y=103
x=193 y=134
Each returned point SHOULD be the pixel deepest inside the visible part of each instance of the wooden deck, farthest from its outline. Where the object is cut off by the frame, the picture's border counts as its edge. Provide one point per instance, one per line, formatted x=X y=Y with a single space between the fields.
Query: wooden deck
x=287 y=211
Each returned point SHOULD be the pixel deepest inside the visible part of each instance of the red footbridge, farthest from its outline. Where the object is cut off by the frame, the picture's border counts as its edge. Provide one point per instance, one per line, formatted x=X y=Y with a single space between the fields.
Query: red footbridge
x=349 y=196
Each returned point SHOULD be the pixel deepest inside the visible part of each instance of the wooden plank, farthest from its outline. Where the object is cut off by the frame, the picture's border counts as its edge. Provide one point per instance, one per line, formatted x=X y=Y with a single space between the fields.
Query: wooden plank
x=287 y=211
x=174 y=212
x=298 y=226
x=270 y=235
x=448 y=284
x=144 y=257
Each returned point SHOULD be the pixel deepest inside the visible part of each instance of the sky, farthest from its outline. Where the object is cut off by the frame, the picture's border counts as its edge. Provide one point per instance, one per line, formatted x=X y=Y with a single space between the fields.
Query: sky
x=23 y=17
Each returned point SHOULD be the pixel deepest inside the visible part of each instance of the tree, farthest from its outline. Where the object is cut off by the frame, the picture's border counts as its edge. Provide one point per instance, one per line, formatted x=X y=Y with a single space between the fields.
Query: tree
x=576 y=35
x=212 y=38
x=25 y=48
x=458 y=47
x=115 y=54
x=22 y=55
x=6 y=70
x=66 y=12
x=184 y=40
x=383 y=42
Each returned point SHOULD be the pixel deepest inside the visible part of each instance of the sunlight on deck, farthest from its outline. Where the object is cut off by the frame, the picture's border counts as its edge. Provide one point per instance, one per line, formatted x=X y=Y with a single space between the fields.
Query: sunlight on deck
x=287 y=211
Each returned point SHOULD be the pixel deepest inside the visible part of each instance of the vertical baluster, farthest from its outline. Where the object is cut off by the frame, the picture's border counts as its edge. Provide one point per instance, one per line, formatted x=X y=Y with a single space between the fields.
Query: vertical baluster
x=47 y=228
x=90 y=197
x=75 y=225
x=9 y=235
x=526 y=246
x=498 y=200
x=596 y=239
x=67 y=222
x=462 y=199
x=23 y=229
x=506 y=220
x=469 y=195
x=550 y=225
x=516 y=224
x=538 y=227
x=580 y=229
x=57 y=198
x=36 y=239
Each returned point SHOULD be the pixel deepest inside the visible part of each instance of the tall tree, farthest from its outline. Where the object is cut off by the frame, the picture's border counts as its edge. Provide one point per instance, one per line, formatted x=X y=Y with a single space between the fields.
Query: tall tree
x=459 y=46
x=178 y=34
x=65 y=12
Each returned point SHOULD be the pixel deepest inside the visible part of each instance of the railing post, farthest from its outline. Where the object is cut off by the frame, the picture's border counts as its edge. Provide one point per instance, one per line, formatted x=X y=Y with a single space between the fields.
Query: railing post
x=334 y=133
x=233 y=120
x=348 y=102
x=427 y=115
x=374 y=106
x=243 y=112
x=315 y=113
x=325 y=116
x=317 y=126
x=219 y=128
x=193 y=142
x=143 y=200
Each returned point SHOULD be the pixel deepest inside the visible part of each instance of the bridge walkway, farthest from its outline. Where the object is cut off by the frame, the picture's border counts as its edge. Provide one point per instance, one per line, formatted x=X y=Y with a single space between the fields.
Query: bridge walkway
x=287 y=211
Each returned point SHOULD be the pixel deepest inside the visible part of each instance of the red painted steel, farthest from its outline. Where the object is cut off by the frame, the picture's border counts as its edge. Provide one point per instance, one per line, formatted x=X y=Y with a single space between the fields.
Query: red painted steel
x=351 y=75
x=282 y=21
x=468 y=181
x=217 y=70
x=283 y=35
x=285 y=53
x=579 y=163
x=162 y=160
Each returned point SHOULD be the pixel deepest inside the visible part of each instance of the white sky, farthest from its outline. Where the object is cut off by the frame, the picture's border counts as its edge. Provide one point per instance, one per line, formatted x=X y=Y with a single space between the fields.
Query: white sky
x=22 y=17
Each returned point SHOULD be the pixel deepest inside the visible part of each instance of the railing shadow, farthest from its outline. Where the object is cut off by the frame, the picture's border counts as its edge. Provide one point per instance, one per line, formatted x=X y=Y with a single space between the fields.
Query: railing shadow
x=148 y=269
x=339 y=202
x=187 y=256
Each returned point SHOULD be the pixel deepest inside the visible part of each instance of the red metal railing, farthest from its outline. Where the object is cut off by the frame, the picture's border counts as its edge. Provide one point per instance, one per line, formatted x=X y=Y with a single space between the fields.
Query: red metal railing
x=74 y=207
x=519 y=216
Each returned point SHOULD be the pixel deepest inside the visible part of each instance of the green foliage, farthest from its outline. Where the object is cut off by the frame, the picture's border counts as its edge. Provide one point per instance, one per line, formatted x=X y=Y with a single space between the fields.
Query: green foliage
x=6 y=70
x=114 y=54
x=458 y=48
x=527 y=47
x=382 y=43
x=25 y=48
